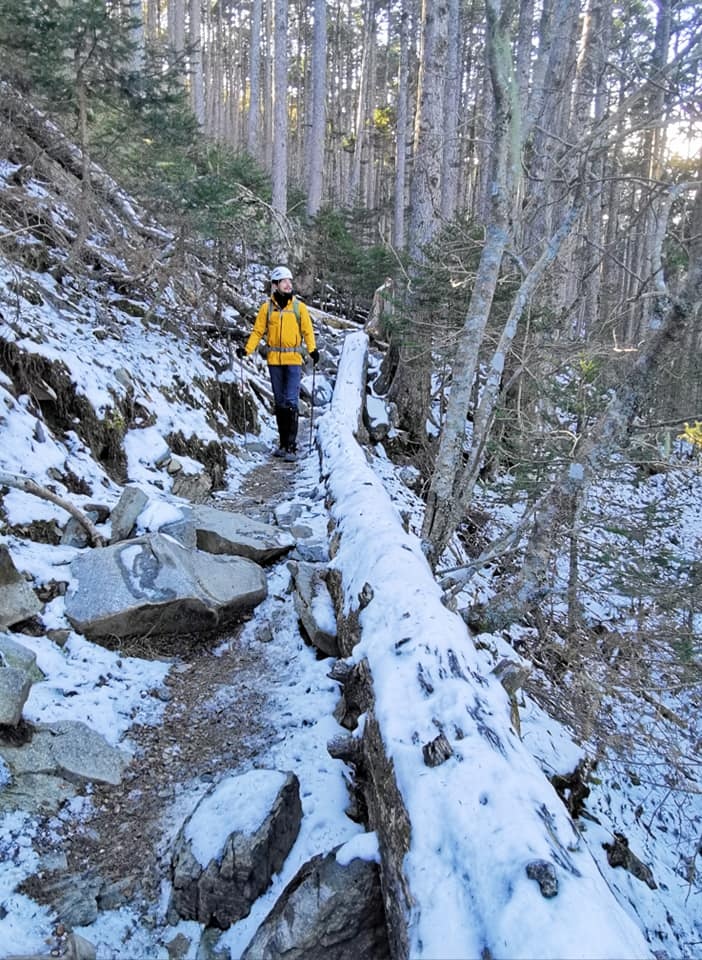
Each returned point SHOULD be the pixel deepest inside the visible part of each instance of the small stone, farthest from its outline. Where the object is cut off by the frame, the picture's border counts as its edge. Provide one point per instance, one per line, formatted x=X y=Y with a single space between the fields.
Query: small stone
x=437 y=752
x=545 y=875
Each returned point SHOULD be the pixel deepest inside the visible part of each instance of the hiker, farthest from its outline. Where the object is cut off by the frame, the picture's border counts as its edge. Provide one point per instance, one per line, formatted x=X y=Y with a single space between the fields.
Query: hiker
x=284 y=321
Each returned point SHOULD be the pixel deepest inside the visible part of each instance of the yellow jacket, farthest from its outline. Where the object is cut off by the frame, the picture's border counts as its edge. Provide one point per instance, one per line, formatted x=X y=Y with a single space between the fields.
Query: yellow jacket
x=282 y=332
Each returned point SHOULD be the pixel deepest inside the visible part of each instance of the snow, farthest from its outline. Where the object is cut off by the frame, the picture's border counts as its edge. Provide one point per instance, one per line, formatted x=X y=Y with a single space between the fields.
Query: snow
x=74 y=689
x=477 y=818
x=237 y=803
x=364 y=846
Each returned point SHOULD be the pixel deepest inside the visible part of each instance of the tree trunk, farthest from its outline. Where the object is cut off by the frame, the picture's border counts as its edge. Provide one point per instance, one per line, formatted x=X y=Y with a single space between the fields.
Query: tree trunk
x=485 y=412
x=591 y=96
x=315 y=152
x=411 y=387
x=268 y=85
x=449 y=160
x=152 y=19
x=456 y=726
x=176 y=27
x=425 y=182
x=402 y=126
x=253 y=124
x=134 y=13
x=438 y=518
x=197 y=83
x=362 y=105
x=279 y=200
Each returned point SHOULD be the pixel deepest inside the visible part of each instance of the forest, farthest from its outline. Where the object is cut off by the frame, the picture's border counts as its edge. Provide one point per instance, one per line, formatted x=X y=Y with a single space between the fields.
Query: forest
x=507 y=197
x=519 y=179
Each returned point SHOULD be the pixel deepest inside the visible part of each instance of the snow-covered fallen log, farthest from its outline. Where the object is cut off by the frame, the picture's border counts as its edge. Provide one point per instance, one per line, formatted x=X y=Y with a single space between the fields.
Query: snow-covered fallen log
x=479 y=857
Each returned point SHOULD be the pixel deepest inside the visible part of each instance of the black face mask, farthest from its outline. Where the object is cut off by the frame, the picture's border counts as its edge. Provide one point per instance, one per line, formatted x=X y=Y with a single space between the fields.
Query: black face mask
x=282 y=298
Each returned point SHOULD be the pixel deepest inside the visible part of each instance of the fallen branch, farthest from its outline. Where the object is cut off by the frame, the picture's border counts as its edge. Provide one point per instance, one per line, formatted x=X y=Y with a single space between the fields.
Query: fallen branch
x=30 y=486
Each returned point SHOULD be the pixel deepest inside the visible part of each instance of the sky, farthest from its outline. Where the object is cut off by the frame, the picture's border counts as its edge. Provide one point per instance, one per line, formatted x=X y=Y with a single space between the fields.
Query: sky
x=480 y=817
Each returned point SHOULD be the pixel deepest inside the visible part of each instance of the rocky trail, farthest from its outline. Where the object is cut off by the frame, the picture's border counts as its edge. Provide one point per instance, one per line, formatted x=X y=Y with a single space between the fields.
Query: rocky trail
x=220 y=696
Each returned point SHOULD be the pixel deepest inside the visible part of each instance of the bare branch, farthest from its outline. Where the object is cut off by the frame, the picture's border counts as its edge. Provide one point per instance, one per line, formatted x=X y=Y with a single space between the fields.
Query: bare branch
x=30 y=486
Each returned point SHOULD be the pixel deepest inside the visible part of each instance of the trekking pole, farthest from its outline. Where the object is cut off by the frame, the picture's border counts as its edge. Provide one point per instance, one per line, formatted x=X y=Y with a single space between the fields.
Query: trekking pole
x=314 y=372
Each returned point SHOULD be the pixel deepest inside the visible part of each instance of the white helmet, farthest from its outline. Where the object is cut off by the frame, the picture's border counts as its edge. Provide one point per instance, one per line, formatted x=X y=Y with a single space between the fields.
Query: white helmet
x=281 y=273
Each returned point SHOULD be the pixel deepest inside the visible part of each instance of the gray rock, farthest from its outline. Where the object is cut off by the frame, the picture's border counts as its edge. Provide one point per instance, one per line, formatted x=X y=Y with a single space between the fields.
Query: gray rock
x=545 y=875
x=118 y=893
x=74 y=948
x=207 y=948
x=74 y=534
x=125 y=513
x=222 y=532
x=14 y=690
x=14 y=654
x=17 y=599
x=377 y=418
x=312 y=552
x=190 y=486
x=79 y=948
x=74 y=899
x=69 y=750
x=315 y=607
x=326 y=912
x=39 y=793
x=154 y=583
x=300 y=532
x=217 y=877
x=97 y=512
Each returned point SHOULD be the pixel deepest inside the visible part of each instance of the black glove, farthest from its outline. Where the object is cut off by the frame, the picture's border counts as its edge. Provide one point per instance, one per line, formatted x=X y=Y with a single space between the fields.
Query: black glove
x=315 y=356
x=241 y=352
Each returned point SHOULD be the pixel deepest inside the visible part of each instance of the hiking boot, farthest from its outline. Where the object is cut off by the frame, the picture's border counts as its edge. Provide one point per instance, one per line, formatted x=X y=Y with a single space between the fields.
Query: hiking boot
x=290 y=456
x=279 y=452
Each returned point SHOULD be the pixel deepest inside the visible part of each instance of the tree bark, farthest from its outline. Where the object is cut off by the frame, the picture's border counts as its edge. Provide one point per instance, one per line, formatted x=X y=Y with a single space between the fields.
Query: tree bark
x=253 y=123
x=449 y=160
x=280 y=127
x=134 y=13
x=401 y=130
x=315 y=152
x=362 y=105
x=197 y=82
x=411 y=387
x=176 y=27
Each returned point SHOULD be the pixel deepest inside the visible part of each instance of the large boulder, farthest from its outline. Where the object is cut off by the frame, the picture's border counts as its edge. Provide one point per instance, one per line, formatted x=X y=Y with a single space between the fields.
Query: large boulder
x=228 y=849
x=153 y=583
x=223 y=532
x=328 y=911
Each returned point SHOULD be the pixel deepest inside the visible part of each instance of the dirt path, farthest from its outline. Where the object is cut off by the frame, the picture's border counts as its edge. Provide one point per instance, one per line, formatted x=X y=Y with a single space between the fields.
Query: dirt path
x=216 y=697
